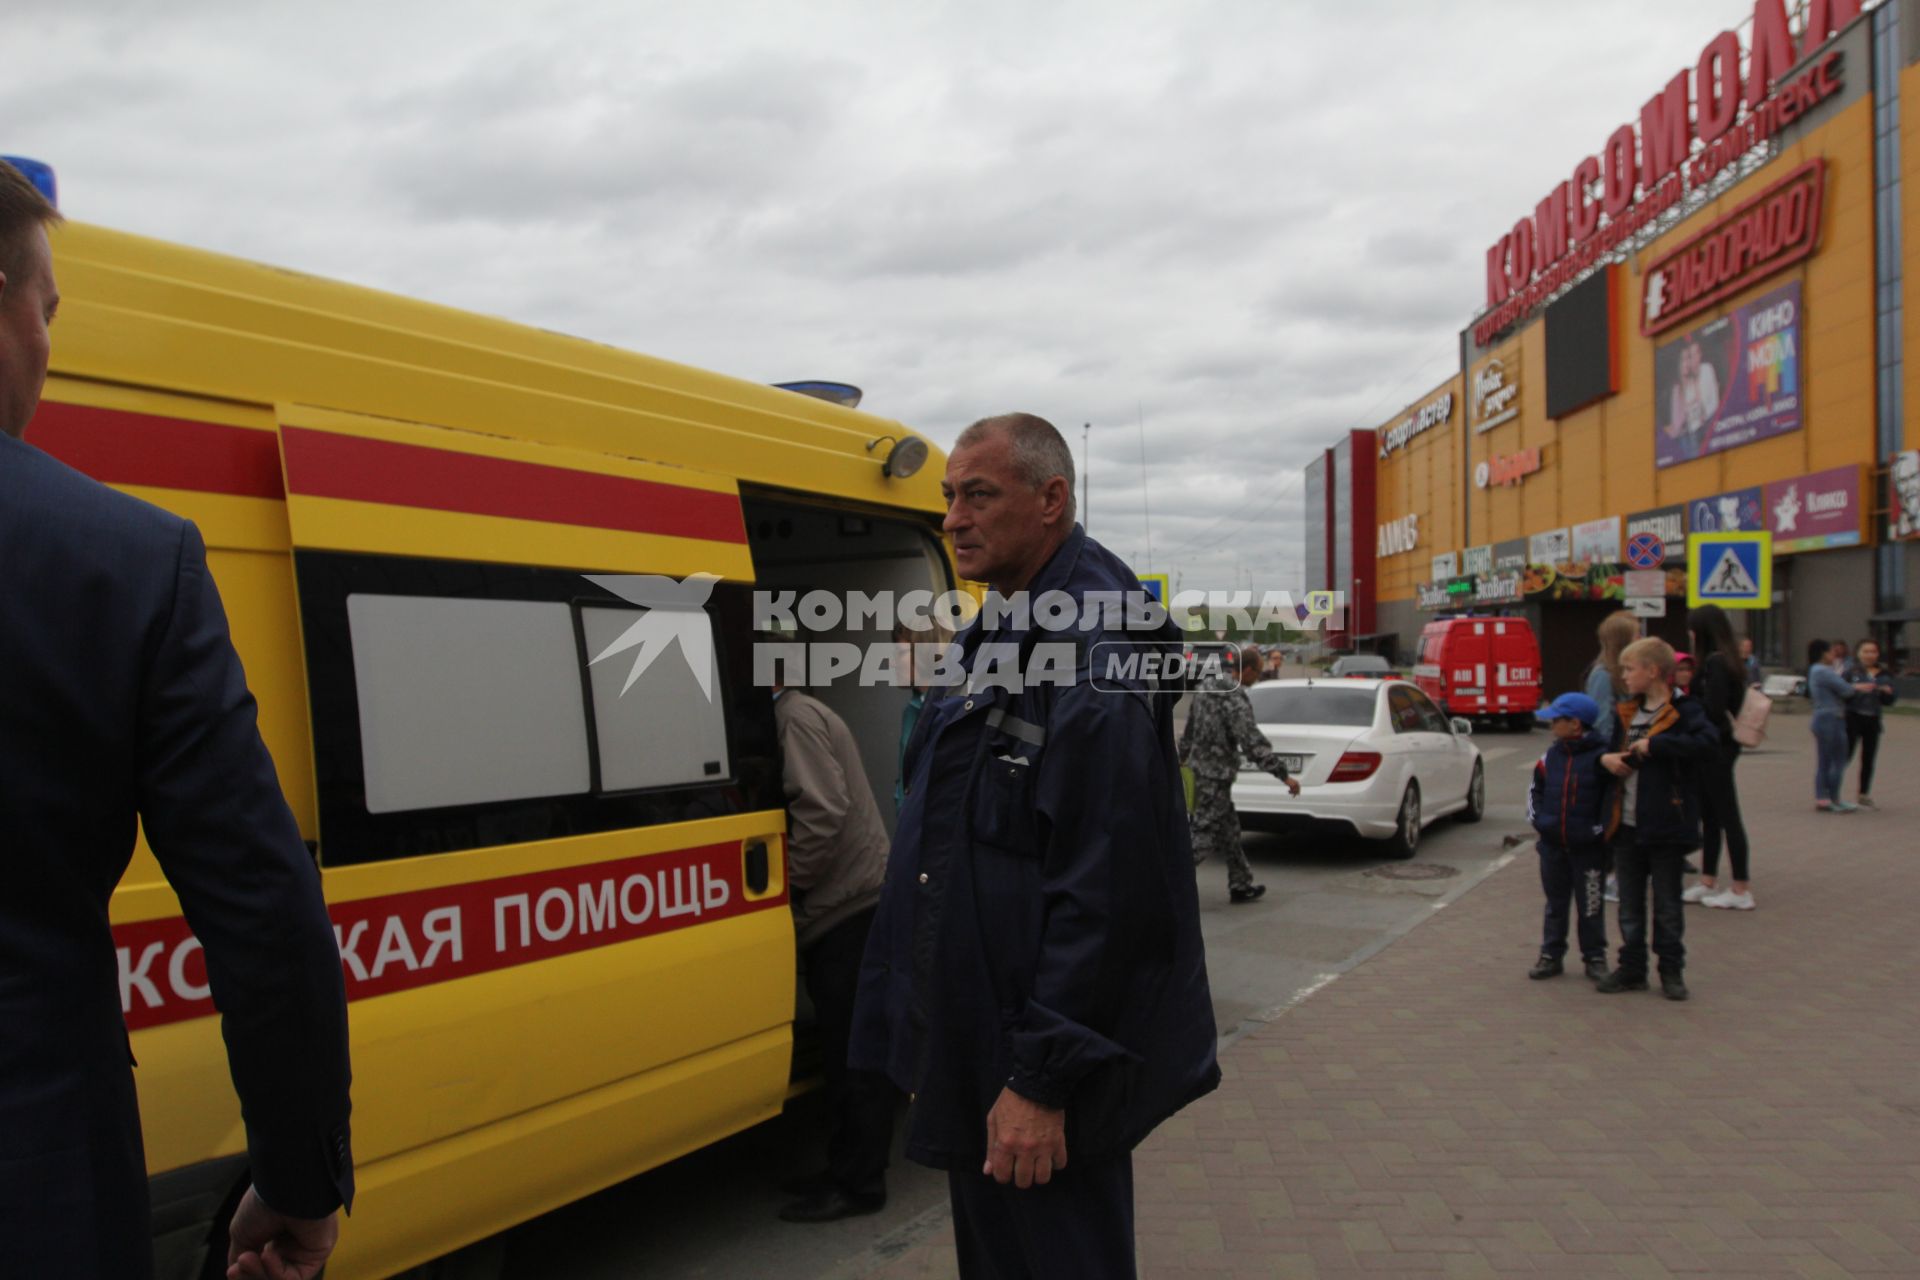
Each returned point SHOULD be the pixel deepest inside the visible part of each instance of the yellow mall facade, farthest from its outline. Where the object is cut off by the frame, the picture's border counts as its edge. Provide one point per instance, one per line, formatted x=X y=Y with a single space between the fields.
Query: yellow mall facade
x=1699 y=330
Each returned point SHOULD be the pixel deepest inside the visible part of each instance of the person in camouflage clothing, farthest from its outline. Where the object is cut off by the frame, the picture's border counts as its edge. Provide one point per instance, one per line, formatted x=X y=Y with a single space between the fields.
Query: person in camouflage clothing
x=1220 y=729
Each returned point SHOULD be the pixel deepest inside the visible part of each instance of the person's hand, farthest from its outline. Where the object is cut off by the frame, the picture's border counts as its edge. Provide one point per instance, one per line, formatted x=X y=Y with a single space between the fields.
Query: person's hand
x=1293 y=786
x=265 y=1244
x=1642 y=748
x=1026 y=1142
x=1616 y=764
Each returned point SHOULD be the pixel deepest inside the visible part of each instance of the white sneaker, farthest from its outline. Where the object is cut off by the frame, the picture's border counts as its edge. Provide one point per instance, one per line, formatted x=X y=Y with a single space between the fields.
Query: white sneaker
x=1699 y=893
x=1730 y=900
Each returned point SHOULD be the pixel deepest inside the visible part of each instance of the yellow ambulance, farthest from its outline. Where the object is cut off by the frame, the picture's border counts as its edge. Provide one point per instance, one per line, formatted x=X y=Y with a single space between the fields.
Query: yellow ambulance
x=557 y=883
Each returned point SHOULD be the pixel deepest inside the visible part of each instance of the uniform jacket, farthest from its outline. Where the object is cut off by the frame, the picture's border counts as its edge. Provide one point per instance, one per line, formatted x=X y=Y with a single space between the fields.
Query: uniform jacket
x=1221 y=728
x=1571 y=801
x=1039 y=928
x=1667 y=803
x=836 y=843
x=121 y=698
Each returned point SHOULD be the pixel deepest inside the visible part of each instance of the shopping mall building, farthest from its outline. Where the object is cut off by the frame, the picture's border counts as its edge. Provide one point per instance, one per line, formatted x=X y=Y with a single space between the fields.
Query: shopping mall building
x=1699 y=329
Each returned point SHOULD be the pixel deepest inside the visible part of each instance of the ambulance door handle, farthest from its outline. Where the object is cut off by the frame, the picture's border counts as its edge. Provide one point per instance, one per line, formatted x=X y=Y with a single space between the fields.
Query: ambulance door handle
x=757 y=870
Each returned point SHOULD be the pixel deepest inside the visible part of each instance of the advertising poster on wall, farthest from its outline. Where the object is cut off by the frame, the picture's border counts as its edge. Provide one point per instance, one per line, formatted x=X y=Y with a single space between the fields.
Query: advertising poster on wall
x=1738 y=511
x=1511 y=554
x=1815 y=512
x=1550 y=547
x=1729 y=382
x=1903 y=498
x=1597 y=540
x=1669 y=524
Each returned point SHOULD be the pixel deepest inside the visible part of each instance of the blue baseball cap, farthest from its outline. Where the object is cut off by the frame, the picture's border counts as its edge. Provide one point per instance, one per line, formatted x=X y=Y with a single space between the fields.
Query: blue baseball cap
x=1572 y=706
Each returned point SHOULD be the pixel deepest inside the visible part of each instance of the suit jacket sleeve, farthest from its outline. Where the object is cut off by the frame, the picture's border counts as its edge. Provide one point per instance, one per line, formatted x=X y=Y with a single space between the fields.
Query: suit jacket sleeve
x=818 y=797
x=215 y=818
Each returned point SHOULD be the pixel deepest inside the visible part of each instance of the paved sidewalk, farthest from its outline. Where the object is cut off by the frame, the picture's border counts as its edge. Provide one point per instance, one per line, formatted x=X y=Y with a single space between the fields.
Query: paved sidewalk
x=1434 y=1113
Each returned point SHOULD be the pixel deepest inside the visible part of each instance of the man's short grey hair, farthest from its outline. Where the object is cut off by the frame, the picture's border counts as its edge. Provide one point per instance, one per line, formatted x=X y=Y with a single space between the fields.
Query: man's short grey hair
x=1039 y=451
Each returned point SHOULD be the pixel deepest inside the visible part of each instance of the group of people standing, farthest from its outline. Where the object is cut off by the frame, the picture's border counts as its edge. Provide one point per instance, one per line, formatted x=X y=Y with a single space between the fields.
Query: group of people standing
x=1635 y=765
x=1847 y=695
x=1651 y=715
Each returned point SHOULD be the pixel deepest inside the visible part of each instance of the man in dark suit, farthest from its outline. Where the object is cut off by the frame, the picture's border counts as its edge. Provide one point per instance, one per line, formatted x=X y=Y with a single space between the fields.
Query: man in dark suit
x=121 y=698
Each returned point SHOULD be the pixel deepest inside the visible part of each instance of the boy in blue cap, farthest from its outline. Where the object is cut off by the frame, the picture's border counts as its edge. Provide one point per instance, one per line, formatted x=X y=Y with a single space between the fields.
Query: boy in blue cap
x=1569 y=805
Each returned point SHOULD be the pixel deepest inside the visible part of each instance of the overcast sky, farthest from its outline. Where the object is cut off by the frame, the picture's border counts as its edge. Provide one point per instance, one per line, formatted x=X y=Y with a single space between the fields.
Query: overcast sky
x=1242 y=226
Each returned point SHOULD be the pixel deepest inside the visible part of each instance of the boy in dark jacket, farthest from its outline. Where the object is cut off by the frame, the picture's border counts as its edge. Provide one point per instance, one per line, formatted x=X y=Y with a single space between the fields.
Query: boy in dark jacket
x=1571 y=807
x=1659 y=814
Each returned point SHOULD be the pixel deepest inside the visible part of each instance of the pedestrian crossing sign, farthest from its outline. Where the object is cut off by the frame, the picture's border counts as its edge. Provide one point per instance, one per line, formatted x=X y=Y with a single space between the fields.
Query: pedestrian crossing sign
x=1732 y=570
x=1156 y=585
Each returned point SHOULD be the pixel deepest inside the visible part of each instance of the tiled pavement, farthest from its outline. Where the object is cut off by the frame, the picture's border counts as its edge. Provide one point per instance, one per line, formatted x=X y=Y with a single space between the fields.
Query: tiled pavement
x=1434 y=1113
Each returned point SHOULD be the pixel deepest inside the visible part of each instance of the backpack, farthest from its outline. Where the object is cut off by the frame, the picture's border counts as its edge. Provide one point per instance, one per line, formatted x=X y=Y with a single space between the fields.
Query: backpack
x=1750 y=724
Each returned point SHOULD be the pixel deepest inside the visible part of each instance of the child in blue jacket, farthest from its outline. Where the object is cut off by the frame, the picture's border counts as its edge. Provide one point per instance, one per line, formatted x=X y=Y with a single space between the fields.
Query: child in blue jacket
x=1570 y=806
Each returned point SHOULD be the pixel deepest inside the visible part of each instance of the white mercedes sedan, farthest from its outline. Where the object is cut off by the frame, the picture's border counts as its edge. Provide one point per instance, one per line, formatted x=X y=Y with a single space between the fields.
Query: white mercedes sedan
x=1374 y=758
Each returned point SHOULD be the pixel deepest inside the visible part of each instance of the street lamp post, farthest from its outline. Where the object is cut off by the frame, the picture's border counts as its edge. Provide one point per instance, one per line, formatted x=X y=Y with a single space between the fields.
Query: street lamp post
x=1086 y=477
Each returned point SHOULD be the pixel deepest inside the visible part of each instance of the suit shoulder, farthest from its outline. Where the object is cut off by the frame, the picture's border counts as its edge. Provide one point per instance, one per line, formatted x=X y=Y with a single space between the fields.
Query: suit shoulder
x=55 y=502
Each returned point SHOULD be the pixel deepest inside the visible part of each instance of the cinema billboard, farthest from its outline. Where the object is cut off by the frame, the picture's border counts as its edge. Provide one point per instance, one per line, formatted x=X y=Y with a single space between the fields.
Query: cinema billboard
x=1731 y=381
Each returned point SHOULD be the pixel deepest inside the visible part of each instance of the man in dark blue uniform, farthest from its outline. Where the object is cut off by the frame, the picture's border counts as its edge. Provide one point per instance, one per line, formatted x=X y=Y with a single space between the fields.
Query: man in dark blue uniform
x=121 y=698
x=1035 y=976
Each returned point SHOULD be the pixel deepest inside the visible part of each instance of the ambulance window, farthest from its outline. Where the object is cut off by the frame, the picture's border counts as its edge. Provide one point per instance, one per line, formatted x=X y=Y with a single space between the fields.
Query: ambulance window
x=668 y=727
x=467 y=701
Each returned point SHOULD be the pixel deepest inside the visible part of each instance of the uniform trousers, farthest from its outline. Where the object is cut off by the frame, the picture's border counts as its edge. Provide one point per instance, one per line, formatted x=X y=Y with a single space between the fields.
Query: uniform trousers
x=1216 y=830
x=1079 y=1226
x=861 y=1103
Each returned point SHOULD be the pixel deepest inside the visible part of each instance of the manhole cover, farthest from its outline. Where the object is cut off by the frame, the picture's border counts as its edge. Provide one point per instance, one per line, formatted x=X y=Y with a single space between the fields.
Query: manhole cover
x=1414 y=871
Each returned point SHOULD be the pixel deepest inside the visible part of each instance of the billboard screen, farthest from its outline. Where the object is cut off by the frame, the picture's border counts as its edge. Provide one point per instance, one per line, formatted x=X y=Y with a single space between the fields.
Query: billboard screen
x=1729 y=382
x=1580 y=335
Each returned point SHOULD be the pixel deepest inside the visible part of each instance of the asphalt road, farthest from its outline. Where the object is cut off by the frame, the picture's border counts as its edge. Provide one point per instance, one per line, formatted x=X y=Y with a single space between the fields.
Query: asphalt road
x=1328 y=907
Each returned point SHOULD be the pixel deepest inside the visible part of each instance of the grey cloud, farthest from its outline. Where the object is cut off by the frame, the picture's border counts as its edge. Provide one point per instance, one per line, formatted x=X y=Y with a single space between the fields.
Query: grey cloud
x=1258 y=225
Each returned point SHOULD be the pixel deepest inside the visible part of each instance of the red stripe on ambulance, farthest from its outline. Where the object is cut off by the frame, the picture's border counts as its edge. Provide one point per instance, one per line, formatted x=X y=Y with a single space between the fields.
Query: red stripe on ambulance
x=116 y=447
x=323 y=464
x=407 y=940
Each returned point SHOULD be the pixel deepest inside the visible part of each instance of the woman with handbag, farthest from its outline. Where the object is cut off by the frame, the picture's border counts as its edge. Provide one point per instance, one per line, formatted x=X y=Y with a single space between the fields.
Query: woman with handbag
x=1872 y=690
x=1721 y=686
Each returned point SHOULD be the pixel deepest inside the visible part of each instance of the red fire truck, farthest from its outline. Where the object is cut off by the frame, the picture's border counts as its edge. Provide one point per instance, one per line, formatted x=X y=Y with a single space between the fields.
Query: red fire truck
x=1481 y=667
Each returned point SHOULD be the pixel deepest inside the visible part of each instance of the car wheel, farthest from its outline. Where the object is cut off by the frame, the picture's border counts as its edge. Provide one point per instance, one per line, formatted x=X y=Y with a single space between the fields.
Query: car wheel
x=1405 y=840
x=1476 y=795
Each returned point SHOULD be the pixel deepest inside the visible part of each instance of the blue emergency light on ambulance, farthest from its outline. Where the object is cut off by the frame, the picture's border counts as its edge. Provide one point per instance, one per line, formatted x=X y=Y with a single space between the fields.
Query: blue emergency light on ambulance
x=40 y=174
